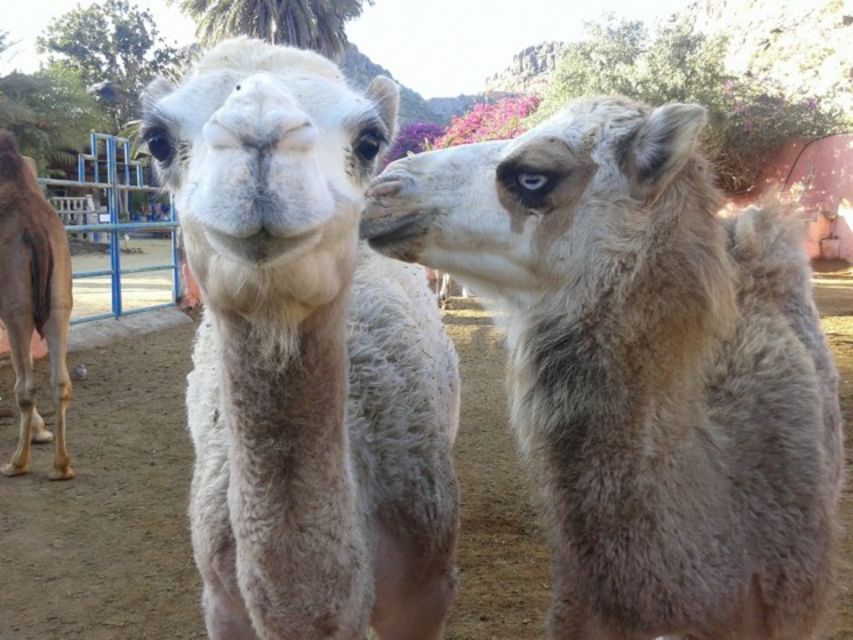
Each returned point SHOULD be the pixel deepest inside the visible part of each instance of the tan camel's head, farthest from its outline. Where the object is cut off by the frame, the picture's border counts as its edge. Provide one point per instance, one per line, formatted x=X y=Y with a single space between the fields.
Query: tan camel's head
x=518 y=217
x=268 y=153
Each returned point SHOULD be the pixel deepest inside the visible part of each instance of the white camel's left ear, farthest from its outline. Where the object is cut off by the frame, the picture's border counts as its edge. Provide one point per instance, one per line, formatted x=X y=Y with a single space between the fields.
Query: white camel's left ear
x=662 y=146
x=385 y=94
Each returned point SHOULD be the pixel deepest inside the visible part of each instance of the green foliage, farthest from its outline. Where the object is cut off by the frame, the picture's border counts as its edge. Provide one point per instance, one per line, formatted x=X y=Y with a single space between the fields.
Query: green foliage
x=113 y=42
x=748 y=118
x=50 y=114
x=750 y=122
x=310 y=24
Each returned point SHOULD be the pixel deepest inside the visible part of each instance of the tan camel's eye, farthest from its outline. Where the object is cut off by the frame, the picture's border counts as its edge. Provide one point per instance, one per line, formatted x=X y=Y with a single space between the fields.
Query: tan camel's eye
x=532 y=181
x=368 y=145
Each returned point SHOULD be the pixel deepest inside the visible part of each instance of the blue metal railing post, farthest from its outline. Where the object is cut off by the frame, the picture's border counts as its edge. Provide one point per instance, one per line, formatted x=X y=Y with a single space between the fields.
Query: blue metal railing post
x=176 y=262
x=113 y=204
x=115 y=188
x=126 y=148
x=94 y=144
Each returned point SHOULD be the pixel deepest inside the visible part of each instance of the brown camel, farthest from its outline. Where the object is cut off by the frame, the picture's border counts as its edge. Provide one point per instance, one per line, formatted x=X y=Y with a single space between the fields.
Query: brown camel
x=35 y=269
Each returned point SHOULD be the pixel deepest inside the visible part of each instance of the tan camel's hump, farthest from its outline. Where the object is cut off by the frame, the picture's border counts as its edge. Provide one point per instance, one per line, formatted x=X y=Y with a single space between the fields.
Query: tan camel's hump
x=766 y=241
x=767 y=231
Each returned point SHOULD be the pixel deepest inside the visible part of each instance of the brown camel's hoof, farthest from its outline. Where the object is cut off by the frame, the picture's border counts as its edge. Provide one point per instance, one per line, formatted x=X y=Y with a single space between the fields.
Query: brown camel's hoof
x=65 y=473
x=11 y=470
x=42 y=437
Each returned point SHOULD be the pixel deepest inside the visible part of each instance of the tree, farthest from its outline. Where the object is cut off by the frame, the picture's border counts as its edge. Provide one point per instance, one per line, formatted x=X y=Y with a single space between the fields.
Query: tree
x=600 y=63
x=4 y=41
x=748 y=118
x=50 y=114
x=309 y=24
x=114 y=43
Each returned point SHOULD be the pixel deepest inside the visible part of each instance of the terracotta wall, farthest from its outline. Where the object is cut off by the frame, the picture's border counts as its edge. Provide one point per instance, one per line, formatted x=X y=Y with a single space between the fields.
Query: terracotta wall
x=819 y=175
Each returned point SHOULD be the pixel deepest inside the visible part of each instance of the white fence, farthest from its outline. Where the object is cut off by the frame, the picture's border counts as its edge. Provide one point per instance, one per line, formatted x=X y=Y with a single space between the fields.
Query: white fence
x=81 y=210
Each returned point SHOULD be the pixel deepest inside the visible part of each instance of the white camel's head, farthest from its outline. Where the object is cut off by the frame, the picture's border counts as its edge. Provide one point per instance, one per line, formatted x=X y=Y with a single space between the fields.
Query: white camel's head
x=268 y=153
x=513 y=218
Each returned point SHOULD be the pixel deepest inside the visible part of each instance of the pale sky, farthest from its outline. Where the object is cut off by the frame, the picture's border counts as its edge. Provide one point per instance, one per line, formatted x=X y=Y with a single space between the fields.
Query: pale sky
x=437 y=48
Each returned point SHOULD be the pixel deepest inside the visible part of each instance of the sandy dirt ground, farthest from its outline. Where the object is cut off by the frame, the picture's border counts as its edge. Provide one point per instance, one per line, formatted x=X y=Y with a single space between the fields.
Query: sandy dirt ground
x=107 y=556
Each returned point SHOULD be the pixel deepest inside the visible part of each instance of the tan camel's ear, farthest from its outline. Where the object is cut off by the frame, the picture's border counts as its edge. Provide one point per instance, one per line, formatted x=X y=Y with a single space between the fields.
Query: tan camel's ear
x=662 y=146
x=385 y=94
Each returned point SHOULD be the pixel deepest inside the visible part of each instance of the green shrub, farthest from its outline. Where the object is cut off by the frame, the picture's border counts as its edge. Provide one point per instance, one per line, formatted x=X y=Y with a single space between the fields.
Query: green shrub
x=748 y=118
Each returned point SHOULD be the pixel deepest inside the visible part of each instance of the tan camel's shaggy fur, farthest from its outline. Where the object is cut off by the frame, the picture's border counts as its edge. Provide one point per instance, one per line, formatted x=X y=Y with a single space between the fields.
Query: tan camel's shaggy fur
x=35 y=272
x=324 y=396
x=671 y=389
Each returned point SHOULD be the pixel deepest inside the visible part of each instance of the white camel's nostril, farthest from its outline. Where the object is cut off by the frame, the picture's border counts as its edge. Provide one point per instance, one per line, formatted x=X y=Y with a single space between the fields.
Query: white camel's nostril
x=283 y=130
x=296 y=138
x=218 y=135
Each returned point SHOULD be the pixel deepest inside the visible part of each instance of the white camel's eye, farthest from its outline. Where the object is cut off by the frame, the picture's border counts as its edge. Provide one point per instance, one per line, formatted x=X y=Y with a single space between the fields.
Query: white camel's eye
x=368 y=145
x=532 y=181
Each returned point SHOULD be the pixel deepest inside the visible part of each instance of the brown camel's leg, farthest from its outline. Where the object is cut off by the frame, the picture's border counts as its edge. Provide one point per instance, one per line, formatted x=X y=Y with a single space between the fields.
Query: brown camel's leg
x=19 y=329
x=56 y=331
x=40 y=433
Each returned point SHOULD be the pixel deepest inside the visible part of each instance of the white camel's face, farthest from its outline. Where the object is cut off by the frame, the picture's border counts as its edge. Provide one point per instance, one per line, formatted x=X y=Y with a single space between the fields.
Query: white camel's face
x=268 y=153
x=515 y=219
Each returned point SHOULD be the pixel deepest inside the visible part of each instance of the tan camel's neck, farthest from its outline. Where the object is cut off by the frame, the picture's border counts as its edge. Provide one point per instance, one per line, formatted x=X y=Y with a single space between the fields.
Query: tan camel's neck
x=616 y=388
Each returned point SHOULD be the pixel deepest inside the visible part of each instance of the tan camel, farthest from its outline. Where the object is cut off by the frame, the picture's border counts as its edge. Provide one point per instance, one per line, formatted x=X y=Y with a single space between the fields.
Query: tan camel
x=670 y=387
x=325 y=395
x=35 y=269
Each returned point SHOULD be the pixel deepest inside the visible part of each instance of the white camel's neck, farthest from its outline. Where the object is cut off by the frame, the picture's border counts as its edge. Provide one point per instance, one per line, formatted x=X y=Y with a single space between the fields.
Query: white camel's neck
x=292 y=495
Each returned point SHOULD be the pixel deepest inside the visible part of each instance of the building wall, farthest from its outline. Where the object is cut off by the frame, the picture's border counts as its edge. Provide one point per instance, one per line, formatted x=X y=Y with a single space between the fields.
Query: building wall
x=818 y=174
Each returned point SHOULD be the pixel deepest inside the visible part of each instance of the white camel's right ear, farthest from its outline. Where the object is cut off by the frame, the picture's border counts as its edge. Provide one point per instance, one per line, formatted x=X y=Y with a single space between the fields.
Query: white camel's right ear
x=385 y=94
x=662 y=146
x=156 y=90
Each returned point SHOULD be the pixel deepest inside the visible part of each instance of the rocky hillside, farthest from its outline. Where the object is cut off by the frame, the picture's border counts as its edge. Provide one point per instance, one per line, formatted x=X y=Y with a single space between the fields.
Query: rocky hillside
x=530 y=72
x=360 y=70
x=804 y=46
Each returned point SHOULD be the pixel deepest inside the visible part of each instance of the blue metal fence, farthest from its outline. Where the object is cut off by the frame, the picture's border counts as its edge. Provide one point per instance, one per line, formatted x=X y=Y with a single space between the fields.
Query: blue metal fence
x=123 y=175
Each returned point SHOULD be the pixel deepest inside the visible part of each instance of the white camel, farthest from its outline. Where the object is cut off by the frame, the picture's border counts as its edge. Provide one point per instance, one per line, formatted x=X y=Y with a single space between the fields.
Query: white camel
x=670 y=387
x=324 y=396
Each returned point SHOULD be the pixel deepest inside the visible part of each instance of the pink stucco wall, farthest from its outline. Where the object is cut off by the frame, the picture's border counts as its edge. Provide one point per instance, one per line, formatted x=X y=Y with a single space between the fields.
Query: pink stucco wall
x=38 y=345
x=819 y=175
